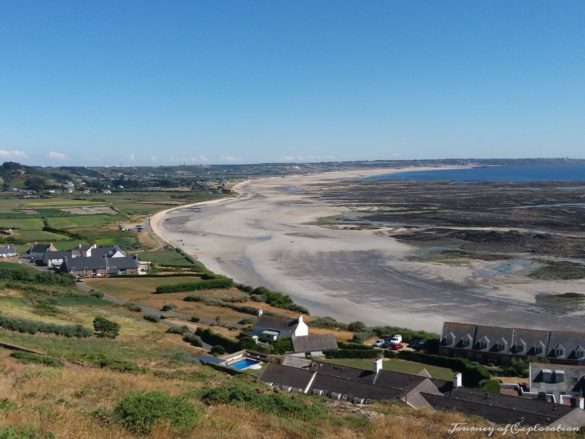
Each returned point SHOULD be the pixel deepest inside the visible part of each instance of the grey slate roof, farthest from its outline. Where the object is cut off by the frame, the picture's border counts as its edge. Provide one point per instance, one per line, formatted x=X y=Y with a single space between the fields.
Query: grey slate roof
x=98 y=263
x=353 y=388
x=39 y=248
x=549 y=381
x=314 y=343
x=352 y=373
x=286 y=376
x=276 y=323
x=404 y=381
x=458 y=335
x=7 y=249
x=517 y=341
x=501 y=409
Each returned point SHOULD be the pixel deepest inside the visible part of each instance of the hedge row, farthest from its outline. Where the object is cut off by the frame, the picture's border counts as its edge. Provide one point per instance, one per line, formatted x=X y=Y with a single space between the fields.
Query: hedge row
x=246 y=309
x=473 y=373
x=34 y=326
x=204 y=284
x=352 y=353
x=213 y=338
x=29 y=357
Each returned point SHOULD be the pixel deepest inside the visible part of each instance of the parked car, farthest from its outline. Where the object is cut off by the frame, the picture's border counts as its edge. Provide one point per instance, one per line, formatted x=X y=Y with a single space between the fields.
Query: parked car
x=417 y=344
x=396 y=338
x=379 y=343
x=396 y=346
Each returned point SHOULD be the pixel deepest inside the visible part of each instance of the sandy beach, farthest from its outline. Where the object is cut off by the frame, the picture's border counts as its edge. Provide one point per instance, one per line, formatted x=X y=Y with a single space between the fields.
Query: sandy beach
x=269 y=236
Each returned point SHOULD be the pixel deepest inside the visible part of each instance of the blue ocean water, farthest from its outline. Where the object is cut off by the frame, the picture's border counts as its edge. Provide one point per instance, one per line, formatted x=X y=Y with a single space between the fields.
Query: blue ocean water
x=516 y=174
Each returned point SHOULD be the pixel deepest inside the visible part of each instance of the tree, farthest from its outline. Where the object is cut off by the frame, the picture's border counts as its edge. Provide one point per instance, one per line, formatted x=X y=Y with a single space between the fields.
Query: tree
x=106 y=328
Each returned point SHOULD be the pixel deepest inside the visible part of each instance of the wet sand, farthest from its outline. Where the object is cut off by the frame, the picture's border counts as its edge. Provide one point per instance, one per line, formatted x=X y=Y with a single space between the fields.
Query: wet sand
x=269 y=236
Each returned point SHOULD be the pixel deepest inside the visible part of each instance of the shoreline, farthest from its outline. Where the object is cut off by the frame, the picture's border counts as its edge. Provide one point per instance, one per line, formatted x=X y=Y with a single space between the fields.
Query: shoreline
x=267 y=236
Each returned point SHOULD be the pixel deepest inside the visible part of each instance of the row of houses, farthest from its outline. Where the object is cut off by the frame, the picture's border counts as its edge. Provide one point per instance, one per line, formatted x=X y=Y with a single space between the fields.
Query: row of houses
x=418 y=391
x=87 y=260
x=498 y=345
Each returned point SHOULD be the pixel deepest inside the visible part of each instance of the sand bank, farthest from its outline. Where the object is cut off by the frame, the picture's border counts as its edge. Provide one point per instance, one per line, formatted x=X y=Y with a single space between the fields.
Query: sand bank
x=269 y=236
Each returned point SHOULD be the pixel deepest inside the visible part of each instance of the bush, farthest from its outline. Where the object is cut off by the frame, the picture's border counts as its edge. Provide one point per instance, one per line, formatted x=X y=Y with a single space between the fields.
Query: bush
x=106 y=328
x=99 y=359
x=490 y=386
x=356 y=326
x=324 y=322
x=140 y=411
x=212 y=338
x=247 y=321
x=168 y=307
x=23 y=433
x=34 y=326
x=29 y=357
x=282 y=346
x=296 y=406
x=175 y=329
x=195 y=319
x=204 y=284
x=134 y=307
x=97 y=294
x=152 y=318
x=193 y=339
x=278 y=300
x=217 y=350
x=21 y=273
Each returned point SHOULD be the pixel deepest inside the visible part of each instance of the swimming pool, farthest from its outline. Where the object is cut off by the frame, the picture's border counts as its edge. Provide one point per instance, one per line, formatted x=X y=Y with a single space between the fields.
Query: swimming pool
x=243 y=364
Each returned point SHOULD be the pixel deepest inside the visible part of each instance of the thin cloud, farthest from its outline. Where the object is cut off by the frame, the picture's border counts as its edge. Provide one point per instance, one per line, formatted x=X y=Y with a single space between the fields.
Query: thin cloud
x=57 y=155
x=229 y=158
x=12 y=154
x=132 y=157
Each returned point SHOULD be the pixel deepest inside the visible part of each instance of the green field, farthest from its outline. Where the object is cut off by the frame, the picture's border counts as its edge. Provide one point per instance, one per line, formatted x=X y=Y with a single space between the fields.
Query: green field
x=22 y=223
x=61 y=203
x=397 y=365
x=67 y=222
x=40 y=235
x=166 y=257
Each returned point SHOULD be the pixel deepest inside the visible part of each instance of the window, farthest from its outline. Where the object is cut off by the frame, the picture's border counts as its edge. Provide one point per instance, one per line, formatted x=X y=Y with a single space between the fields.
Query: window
x=520 y=346
x=483 y=343
x=538 y=348
x=579 y=352
x=501 y=344
x=466 y=341
x=559 y=351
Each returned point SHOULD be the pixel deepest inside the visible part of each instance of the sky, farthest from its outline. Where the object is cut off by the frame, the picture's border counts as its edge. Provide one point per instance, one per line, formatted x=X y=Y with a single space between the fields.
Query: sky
x=124 y=82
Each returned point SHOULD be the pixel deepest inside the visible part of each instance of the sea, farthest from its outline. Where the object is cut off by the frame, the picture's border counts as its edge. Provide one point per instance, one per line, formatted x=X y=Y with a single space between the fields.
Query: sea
x=514 y=174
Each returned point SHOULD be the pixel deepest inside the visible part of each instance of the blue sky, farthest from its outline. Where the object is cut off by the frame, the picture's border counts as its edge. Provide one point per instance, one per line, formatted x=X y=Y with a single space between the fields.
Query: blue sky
x=162 y=82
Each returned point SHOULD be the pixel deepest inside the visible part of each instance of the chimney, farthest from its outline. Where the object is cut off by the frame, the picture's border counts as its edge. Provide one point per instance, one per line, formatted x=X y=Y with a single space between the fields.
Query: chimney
x=458 y=380
x=581 y=403
x=378 y=365
x=260 y=312
x=301 y=318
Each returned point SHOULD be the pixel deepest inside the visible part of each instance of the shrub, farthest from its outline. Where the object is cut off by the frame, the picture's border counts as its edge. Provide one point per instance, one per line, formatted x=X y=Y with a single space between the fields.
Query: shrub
x=134 y=307
x=99 y=359
x=282 y=345
x=97 y=294
x=193 y=339
x=34 y=326
x=21 y=273
x=247 y=321
x=106 y=328
x=152 y=318
x=6 y=405
x=204 y=284
x=212 y=338
x=324 y=322
x=356 y=326
x=29 y=357
x=175 y=329
x=296 y=406
x=490 y=386
x=168 y=307
x=195 y=319
x=278 y=300
x=217 y=350
x=23 y=433
x=140 y=411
